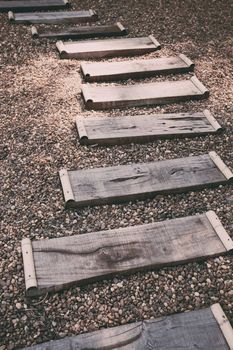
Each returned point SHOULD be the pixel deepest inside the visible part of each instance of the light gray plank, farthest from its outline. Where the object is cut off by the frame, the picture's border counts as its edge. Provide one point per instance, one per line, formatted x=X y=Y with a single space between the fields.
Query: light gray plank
x=53 y=17
x=104 y=97
x=107 y=47
x=185 y=331
x=79 y=32
x=31 y=5
x=141 y=128
x=105 y=71
x=137 y=181
x=81 y=259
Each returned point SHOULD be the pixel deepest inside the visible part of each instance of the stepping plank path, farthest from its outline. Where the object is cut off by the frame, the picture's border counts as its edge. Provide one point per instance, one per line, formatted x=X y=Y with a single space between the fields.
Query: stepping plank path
x=138 y=181
x=51 y=265
x=116 y=29
x=107 y=47
x=105 y=71
x=141 y=128
x=104 y=97
x=200 y=329
x=53 y=17
x=31 y=5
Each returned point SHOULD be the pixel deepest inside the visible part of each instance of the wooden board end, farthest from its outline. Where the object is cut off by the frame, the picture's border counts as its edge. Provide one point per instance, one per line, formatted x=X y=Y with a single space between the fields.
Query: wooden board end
x=220 y=230
x=221 y=165
x=35 y=32
x=66 y=187
x=212 y=120
x=11 y=16
x=157 y=44
x=29 y=267
x=61 y=49
x=82 y=133
x=200 y=86
x=223 y=323
x=189 y=63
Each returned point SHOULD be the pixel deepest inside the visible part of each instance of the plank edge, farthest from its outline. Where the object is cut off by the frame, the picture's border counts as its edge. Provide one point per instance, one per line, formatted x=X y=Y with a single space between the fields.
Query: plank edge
x=221 y=165
x=34 y=32
x=223 y=323
x=186 y=60
x=29 y=266
x=200 y=86
x=11 y=16
x=220 y=230
x=66 y=187
x=82 y=132
x=212 y=120
x=61 y=49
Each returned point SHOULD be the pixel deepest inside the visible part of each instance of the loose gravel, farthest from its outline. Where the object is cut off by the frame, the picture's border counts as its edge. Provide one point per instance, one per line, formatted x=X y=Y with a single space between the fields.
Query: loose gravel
x=40 y=98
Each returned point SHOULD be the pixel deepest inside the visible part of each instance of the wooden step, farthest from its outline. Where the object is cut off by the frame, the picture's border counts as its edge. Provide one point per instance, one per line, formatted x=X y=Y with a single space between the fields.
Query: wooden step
x=106 y=71
x=144 y=128
x=53 y=17
x=116 y=29
x=142 y=180
x=32 y=5
x=206 y=329
x=104 y=97
x=51 y=265
x=107 y=47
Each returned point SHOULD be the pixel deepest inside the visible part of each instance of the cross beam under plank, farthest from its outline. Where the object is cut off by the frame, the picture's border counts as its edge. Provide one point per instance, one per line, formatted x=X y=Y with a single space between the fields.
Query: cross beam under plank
x=142 y=180
x=53 y=17
x=32 y=5
x=104 y=97
x=51 y=265
x=144 y=128
x=200 y=329
x=116 y=29
x=107 y=47
x=106 y=71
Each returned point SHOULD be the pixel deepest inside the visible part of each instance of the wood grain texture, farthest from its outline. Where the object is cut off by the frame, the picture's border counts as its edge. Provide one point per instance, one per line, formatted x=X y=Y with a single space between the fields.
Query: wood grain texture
x=61 y=17
x=106 y=71
x=104 y=97
x=107 y=47
x=185 y=331
x=31 y=5
x=142 y=180
x=81 y=32
x=142 y=128
x=80 y=259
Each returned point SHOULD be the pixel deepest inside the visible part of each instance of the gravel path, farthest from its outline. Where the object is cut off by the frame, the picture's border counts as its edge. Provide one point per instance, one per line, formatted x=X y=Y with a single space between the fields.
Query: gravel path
x=38 y=97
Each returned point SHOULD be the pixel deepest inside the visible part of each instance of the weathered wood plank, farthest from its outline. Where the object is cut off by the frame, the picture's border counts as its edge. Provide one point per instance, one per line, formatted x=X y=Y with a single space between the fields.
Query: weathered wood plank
x=60 y=262
x=142 y=128
x=143 y=180
x=31 y=5
x=116 y=29
x=104 y=97
x=192 y=330
x=106 y=71
x=53 y=17
x=107 y=47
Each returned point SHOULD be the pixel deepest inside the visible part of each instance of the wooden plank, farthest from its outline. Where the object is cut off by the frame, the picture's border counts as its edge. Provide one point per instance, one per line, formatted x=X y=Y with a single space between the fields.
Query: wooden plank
x=53 y=17
x=116 y=29
x=107 y=47
x=31 y=5
x=106 y=71
x=143 y=128
x=142 y=180
x=184 y=331
x=104 y=97
x=60 y=262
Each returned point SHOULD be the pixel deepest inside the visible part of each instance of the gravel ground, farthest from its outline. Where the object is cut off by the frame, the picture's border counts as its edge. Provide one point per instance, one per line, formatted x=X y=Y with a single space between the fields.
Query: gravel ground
x=38 y=106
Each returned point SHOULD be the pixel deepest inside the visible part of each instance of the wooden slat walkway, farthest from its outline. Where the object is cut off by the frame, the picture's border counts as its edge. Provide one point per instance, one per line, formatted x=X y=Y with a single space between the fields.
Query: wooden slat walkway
x=106 y=71
x=143 y=128
x=60 y=262
x=104 y=97
x=204 y=329
x=32 y=5
x=142 y=180
x=116 y=29
x=107 y=47
x=61 y=17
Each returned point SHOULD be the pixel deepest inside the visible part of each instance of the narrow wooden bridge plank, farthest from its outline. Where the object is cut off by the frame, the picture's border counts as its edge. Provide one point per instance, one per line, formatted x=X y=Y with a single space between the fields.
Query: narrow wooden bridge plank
x=106 y=71
x=107 y=47
x=142 y=180
x=104 y=97
x=116 y=29
x=141 y=128
x=199 y=329
x=60 y=262
x=31 y=5
x=61 y=17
